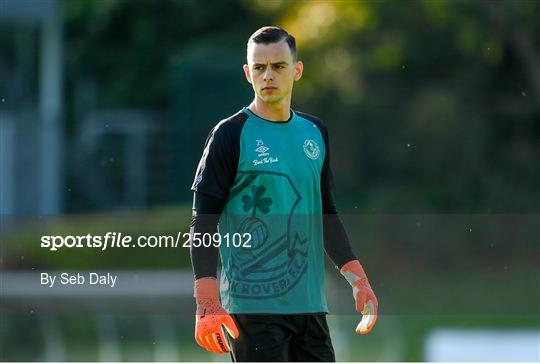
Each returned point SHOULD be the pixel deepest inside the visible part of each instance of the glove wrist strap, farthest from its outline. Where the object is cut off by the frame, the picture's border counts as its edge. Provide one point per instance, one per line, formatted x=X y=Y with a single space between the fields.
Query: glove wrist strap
x=353 y=272
x=206 y=289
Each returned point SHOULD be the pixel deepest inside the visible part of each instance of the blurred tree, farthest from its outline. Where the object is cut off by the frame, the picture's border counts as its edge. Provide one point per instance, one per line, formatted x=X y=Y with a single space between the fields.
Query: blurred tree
x=126 y=47
x=160 y=56
x=431 y=105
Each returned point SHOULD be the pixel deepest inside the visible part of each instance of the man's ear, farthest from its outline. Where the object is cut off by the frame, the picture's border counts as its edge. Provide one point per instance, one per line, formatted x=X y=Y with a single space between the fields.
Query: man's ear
x=298 y=69
x=246 y=72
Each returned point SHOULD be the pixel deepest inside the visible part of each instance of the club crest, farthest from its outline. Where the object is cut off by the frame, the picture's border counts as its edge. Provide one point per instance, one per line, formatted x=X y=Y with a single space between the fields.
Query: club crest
x=311 y=149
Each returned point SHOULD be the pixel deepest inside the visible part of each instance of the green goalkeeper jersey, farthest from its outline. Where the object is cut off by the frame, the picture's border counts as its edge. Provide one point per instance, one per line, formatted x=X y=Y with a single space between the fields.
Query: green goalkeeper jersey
x=271 y=175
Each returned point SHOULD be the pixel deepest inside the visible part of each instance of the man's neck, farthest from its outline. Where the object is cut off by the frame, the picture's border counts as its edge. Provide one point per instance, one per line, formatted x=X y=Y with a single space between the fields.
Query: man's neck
x=280 y=111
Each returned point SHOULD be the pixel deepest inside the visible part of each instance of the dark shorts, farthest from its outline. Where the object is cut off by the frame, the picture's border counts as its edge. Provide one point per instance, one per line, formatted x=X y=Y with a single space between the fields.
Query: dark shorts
x=268 y=337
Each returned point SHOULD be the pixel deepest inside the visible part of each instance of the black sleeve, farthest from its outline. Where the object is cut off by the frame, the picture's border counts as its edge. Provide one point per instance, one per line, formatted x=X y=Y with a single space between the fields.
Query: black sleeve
x=336 y=240
x=204 y=220
x=213 y=180
x=217 y=167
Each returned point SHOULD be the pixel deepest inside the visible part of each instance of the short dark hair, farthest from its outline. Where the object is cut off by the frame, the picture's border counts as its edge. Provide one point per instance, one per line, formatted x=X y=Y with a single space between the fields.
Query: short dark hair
x=273 y=34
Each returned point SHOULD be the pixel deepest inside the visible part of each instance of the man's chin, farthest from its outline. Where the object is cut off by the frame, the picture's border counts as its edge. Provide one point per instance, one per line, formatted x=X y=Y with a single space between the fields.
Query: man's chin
x=271 y=99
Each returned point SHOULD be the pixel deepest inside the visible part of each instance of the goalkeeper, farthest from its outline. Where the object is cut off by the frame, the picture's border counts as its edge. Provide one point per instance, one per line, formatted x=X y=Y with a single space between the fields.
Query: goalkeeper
x=265 y=176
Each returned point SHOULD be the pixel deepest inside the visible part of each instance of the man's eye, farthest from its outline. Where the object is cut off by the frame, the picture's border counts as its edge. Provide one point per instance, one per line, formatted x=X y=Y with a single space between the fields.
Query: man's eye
x=257 y=68
x=280 y=66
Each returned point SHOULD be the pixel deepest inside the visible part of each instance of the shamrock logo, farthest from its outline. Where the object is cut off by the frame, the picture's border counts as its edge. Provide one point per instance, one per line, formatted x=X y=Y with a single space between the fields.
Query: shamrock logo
x=257 y=201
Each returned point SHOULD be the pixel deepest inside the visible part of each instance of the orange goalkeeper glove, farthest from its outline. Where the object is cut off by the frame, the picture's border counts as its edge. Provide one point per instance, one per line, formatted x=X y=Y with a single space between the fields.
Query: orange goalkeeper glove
x=211 y=318
x=365 y=299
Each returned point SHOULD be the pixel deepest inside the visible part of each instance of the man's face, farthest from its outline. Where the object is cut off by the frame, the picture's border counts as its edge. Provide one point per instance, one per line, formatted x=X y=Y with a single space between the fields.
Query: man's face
x=272 y=71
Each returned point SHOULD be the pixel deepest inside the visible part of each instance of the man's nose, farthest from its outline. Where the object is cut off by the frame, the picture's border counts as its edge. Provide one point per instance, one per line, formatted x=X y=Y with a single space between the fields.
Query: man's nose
x=268 y=74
